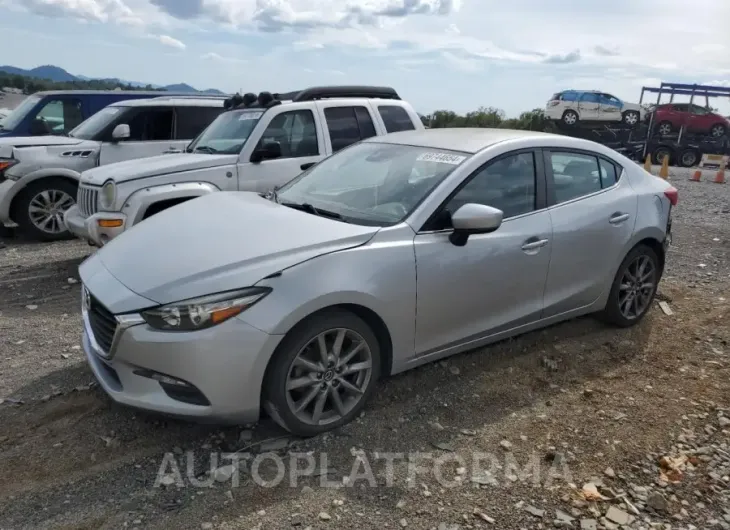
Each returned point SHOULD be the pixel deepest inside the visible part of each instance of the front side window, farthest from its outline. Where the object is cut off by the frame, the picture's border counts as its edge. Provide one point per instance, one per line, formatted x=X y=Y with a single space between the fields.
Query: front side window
x=91 y=128
x=574 y=175
x=377 y=184
x=58 y=116
x=507 y=184
x=295 y=131
x=12 y=120
x=228 y=132
x=151 y=124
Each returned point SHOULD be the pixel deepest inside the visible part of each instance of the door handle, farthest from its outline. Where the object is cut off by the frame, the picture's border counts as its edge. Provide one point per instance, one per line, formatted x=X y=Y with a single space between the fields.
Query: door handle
x=170 y=151
x=618 y=218
x=307 y=165
x=534 y=244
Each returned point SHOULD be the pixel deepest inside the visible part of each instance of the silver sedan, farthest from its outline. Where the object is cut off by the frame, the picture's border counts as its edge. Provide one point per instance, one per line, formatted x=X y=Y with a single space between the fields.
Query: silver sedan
x=395 y=252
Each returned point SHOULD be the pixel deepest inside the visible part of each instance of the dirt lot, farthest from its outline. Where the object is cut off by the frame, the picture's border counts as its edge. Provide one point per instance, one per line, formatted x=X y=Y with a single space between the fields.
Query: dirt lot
x=556 y=417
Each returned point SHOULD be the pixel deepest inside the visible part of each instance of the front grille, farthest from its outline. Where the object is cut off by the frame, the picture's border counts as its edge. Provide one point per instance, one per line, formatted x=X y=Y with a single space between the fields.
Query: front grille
x=103 y=324
x=87 y=200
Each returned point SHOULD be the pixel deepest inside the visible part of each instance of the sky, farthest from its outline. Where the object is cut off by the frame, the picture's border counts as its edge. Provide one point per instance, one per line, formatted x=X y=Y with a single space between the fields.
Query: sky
x=438 y=54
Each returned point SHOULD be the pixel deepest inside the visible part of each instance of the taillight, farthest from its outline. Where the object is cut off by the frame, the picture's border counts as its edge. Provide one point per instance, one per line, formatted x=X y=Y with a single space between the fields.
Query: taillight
x=553 y=103
x=673 y=195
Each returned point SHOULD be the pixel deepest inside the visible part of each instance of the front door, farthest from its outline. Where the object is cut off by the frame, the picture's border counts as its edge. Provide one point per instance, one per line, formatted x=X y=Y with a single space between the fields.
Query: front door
x=151 y=134
x=588 y=106
x=301 y=147
x=592 y=217
x=496 y=281
x=609 y=108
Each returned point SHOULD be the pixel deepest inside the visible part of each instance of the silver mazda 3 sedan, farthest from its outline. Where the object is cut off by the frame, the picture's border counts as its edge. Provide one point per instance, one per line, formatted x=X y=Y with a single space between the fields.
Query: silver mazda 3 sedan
x=397 y=251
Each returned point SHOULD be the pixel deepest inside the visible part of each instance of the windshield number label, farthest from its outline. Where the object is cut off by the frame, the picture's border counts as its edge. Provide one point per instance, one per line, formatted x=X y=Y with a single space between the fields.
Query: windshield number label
x=245 y=116
x=444 y=158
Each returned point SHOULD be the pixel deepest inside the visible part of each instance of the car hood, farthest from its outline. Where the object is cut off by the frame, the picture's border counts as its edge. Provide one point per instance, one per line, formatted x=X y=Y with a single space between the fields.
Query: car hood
x=155 y=166
x=7 y=143
x=219 y=242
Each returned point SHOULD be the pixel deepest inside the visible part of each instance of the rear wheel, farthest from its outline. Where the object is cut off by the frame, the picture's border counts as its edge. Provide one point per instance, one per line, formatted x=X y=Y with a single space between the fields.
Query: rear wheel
x=570 y=118
x=634 y=288
x=322 y=373
x=689 y=158
x=660 y=153
x=39 y=209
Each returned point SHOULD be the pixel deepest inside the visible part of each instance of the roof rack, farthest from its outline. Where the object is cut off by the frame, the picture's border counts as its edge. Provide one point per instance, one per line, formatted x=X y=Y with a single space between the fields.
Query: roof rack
x=193 y=96
x=323 y=92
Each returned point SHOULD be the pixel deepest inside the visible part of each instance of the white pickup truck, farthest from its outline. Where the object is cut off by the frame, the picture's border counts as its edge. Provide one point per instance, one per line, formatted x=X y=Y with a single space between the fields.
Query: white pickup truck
x=257 y=145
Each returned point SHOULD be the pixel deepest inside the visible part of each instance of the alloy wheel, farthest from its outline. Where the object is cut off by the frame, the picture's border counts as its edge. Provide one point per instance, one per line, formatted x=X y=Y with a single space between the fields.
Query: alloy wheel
x=570 y=118
x=46 y=210
x=637 y=287
x=329 y=376
x=665 y=129
x=631 y=118
x=717 y=131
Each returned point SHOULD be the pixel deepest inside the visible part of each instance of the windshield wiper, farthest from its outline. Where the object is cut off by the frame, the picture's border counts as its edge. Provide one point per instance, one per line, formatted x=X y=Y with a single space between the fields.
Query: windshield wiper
x=206 y=149
x=306 y=207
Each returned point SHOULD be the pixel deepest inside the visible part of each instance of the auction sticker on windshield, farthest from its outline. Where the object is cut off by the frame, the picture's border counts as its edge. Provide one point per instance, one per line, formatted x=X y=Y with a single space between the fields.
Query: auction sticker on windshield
x=444 y=158
x=250 y=116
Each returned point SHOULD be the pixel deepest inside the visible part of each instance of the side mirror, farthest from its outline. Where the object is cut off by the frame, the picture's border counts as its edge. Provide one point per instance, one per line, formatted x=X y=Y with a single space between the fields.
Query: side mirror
x=474 y=218
x=121 y=132
x=266 y=151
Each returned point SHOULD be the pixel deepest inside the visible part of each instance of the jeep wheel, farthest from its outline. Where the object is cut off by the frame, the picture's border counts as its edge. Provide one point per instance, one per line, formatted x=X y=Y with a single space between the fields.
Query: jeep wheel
x=39 y=209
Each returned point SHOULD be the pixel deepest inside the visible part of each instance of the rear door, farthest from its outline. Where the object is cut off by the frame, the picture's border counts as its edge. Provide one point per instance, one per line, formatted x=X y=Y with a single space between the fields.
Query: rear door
x=592 y=211
x=151 y=134
x=588 y=106
x=191 y=120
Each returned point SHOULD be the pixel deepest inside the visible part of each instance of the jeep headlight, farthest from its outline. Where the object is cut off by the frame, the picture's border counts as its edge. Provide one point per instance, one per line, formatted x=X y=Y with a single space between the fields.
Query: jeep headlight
x=203 y=312
x=108 y=195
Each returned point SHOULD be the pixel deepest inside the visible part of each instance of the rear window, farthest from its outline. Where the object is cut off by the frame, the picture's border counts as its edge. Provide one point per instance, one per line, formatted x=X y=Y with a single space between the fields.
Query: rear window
x=395 y=118
x=569 y=96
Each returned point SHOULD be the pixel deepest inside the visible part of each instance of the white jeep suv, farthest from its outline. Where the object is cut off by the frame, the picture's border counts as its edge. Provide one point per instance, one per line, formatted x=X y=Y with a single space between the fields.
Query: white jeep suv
x=258 y=144
x=39 y=175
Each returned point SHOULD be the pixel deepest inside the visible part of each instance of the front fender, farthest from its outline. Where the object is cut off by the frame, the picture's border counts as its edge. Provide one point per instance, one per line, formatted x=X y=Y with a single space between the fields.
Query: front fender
x=6 y=201
x=139 y=201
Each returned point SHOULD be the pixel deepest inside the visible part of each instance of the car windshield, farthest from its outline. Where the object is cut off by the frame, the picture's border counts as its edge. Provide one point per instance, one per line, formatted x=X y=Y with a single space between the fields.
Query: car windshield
x=371 y=183
x=12 y=120
x=228 y=132
x=90 y=128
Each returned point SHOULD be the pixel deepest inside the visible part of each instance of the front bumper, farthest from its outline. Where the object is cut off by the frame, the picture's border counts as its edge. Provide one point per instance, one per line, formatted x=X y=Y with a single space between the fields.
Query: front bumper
x=214 y=374
x=93 y=228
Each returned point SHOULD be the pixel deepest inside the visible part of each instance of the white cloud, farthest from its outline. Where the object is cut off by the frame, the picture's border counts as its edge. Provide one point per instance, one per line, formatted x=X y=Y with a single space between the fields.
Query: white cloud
x=218 y=58
x=166 y=40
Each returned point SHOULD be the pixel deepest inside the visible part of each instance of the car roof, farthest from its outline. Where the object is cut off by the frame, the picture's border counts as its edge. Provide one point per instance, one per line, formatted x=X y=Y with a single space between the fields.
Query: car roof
x=169 y=101
x=467 y=139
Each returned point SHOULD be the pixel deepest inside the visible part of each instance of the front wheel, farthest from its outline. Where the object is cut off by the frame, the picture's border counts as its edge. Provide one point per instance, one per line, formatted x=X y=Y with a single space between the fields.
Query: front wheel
x=322 y=373
x=718 y=130
x=633 y=288
x=40 y=207
x=631 y=118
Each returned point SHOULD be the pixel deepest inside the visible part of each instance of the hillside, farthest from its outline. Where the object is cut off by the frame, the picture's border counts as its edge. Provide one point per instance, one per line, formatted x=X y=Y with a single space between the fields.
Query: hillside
x=60 y=79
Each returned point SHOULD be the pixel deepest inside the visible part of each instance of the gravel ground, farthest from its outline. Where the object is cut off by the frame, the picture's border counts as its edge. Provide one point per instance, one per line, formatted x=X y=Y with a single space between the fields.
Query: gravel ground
x=577 y=426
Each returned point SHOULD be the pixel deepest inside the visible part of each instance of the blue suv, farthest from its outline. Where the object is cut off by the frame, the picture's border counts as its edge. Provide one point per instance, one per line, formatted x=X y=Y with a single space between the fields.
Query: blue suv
x=58 y=112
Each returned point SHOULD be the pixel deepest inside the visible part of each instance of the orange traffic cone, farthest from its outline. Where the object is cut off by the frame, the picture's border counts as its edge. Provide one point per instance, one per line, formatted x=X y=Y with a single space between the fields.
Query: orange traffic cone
x=720 y=177
x=664 y=171
x=697 y=175
x=647 y=164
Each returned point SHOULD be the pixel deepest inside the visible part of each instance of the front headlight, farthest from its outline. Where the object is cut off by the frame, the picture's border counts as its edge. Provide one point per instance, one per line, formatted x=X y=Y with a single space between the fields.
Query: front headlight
x=108 y=195
x=203 y=312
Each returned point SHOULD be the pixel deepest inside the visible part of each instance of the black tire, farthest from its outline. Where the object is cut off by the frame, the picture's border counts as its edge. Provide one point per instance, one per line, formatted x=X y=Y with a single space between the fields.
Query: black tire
x=666 y=127
x=570 y=118
x=21 y=205
x=631 y=118
x=612 y=313
x=689 y=158
x=658 y=155
x=718 y=130
x=274 y=389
